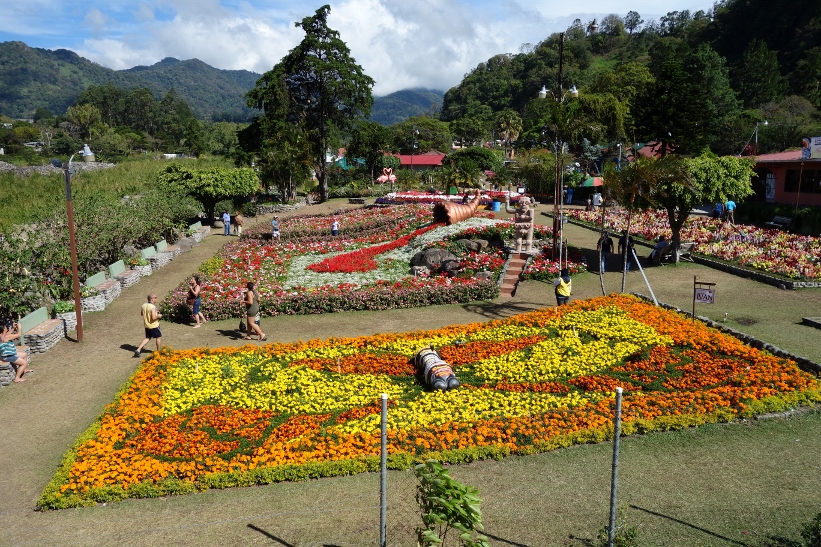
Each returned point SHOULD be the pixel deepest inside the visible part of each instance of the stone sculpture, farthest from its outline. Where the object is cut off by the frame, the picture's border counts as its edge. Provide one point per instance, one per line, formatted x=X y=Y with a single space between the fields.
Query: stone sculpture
x=523 y=220
x=433 y=371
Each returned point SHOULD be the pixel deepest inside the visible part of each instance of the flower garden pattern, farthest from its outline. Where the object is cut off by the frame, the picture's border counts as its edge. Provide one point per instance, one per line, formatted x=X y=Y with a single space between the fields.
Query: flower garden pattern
x=366 y=268
x=214 y=418
x=771 y=251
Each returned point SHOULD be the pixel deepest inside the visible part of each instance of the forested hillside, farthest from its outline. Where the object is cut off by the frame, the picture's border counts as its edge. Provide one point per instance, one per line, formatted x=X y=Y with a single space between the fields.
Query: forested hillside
x=35 y=78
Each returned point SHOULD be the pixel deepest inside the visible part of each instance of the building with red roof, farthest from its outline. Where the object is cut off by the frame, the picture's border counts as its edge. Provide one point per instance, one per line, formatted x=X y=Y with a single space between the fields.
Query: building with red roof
x=421 y=162
x=791 y=177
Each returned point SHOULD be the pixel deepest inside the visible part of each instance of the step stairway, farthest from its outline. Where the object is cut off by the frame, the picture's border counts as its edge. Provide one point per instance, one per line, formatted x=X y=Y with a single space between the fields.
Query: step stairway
x=515 y=266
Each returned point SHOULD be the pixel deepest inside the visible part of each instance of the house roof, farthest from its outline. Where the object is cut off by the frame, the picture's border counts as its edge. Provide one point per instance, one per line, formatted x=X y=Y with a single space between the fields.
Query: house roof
x=653 y=149
x=789 y=155
x=426 y=159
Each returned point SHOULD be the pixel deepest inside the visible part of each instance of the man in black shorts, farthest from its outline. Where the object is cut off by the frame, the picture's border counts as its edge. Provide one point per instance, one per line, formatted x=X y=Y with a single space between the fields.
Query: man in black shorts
x=151 y=321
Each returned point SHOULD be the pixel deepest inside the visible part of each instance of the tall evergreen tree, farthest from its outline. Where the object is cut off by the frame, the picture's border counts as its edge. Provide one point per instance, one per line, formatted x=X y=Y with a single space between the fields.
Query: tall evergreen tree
x=321 y=87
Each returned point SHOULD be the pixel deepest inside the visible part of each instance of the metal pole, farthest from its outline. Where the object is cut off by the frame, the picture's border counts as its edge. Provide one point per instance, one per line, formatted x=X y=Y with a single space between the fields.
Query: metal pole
x=383 y=471
x=611 y=533
x=72 y=242
x=798 y=195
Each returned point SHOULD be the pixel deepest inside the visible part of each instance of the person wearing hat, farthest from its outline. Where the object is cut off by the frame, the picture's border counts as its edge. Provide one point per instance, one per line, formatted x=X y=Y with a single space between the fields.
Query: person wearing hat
x=563 y=288
x=275 y=228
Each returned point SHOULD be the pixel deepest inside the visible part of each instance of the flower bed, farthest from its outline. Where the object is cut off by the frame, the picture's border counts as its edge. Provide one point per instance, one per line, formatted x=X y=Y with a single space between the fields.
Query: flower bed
x=215 y=418
x=412 y=196
x=365 y=268
x=771 y=251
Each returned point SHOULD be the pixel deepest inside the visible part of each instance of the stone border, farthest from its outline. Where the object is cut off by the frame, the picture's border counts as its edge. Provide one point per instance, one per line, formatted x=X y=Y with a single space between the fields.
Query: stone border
x=269 y=208
x=779 y=282
x=803 y=363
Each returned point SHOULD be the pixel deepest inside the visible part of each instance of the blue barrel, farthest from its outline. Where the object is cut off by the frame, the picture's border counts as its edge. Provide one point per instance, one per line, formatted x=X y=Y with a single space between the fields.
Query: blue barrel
x=497 y=206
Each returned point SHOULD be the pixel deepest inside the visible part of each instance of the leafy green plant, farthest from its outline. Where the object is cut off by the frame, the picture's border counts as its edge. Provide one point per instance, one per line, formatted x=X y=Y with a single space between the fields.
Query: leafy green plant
x=625 y=535
x=63 y=306
x=811 y=533
x=138 y=261
x=87 y=291
x=446 y=504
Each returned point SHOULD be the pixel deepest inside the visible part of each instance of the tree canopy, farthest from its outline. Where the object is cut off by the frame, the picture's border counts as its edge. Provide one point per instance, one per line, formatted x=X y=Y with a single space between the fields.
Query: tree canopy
x=210 y=186
x=319 y=86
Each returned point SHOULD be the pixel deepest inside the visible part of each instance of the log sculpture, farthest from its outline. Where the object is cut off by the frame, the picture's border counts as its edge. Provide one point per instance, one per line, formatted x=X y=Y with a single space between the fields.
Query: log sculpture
x=450 y=212
x=434 y=372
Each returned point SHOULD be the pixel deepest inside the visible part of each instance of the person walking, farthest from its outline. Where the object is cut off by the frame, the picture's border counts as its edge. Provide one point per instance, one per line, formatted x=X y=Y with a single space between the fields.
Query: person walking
x=275 y=228
x=226 y=221
x=195 y=301
x=730 y=208
x=626 y=244
x=251 y=301
x=563 y=287
x=238 y=222
x=605 y=246
x=151 y=322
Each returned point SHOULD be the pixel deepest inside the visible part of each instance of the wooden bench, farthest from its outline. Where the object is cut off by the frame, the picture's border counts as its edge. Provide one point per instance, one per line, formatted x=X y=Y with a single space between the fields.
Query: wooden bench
x=109 y=288
x=126 y=277
x=163 y=247
x=40 y=332
x=685 y=252
x=781 y=223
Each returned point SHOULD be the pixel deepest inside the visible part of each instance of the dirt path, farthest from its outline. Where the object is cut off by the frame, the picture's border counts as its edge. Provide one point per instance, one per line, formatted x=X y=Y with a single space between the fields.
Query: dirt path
x=73 y=382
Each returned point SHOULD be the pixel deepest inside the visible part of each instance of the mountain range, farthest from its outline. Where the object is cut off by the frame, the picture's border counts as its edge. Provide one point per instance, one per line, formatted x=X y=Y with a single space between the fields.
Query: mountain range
x=32 y=78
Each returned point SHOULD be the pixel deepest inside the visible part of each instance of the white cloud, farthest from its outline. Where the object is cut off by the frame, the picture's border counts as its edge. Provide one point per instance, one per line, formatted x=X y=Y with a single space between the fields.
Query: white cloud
x=425 y=43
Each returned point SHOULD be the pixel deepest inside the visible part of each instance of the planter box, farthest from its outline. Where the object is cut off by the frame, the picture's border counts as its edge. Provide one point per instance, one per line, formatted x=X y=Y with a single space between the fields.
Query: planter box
x=69 y=319
x=144 y=270
x=95 y=303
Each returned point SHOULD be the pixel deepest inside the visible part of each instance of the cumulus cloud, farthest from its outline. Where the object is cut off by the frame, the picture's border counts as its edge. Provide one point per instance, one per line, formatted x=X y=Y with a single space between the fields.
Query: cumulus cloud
x=425 y=43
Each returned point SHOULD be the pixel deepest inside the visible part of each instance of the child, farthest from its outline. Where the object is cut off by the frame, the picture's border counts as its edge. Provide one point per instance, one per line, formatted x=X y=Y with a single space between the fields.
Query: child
x=563 y=288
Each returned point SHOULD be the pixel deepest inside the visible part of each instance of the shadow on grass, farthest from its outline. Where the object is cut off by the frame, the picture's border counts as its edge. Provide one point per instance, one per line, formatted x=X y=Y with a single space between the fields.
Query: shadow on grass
x=693 y=526
x=279 y=540
x=499 y=310
x=233 y=334
x=504 y=541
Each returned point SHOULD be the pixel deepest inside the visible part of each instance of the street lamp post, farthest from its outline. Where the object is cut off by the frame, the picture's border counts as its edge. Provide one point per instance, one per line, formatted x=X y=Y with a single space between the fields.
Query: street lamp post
x=558 y=150
x=72 y=242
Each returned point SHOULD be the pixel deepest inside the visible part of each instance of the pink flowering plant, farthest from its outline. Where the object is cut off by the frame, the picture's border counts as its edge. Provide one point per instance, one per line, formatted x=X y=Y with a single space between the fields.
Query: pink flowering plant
x=365 y=268
x=771 y=251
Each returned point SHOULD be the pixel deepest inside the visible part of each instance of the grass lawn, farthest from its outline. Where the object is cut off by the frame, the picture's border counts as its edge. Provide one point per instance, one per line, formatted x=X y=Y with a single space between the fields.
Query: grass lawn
x=733 y=484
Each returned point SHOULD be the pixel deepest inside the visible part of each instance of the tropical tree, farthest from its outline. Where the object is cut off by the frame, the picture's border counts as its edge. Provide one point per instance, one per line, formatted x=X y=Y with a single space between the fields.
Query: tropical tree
x=469 y=163
x=369 y=140
x=285 y=159
x=757 y=76
x=320 y=86
x=428 y=134
x=508 y=125
x=210 y=186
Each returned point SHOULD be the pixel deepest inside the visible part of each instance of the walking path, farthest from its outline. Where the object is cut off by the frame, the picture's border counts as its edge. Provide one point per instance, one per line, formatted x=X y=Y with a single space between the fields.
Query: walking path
x=74 y=382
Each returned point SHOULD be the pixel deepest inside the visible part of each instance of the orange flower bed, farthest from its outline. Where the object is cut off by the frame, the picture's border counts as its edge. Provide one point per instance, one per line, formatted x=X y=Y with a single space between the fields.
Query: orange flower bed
x=201 y=414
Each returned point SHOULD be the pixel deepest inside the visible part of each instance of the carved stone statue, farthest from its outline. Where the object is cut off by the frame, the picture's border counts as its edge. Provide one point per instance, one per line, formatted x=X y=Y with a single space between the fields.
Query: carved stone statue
x=523 y=219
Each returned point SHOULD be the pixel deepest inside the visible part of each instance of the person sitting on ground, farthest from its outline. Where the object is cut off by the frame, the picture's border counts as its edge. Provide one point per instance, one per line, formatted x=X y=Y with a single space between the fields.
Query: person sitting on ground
x=9 y=352
x=657 y=249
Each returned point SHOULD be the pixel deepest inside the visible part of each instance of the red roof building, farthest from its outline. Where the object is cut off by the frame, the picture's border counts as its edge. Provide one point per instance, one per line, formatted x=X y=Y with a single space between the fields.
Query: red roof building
x=789 y=178
x=427 y=160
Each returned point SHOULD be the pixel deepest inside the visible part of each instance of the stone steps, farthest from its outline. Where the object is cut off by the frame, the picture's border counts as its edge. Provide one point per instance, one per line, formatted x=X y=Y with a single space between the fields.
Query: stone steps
x=515 y=267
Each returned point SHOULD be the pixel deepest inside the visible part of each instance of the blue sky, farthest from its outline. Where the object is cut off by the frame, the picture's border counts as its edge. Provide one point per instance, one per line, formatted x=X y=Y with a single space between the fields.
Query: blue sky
x=400 y=43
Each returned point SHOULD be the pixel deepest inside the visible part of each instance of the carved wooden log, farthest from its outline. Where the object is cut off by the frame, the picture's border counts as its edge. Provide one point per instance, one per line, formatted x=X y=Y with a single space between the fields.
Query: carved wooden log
x=451 y=213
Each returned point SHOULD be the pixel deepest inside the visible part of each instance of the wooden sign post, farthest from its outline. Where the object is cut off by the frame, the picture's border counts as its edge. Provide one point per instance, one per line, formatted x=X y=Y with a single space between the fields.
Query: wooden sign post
x=703 y=293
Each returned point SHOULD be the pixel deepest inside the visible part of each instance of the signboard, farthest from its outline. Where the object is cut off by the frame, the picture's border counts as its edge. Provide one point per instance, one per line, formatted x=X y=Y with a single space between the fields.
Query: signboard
x=703 y=293
x=705 y=296
x=815 y=148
